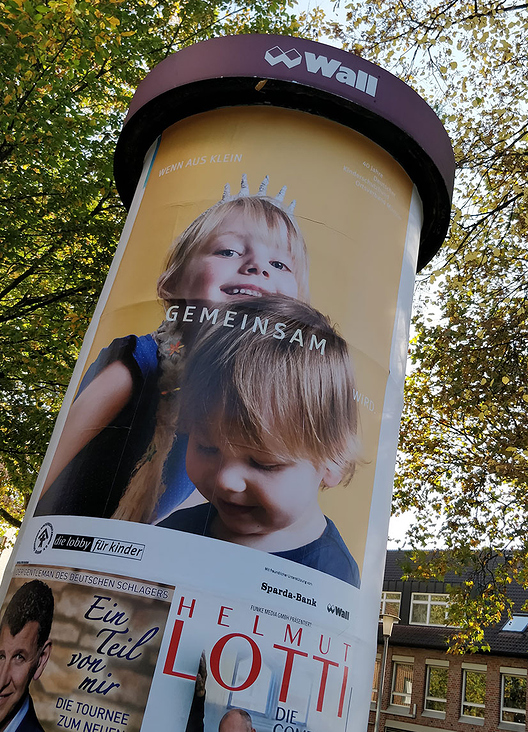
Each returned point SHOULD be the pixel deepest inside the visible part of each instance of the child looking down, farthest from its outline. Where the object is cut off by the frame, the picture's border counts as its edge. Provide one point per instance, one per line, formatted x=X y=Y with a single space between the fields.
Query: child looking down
x=267 y=401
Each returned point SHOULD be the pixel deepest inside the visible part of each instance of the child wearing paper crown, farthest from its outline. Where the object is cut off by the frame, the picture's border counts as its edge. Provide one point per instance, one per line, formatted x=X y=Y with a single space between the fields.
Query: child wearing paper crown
x=267 y=402
x=242 y=247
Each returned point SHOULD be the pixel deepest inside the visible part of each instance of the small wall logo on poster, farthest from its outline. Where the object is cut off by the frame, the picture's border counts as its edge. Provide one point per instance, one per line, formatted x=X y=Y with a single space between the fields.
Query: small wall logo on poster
x=43 y=538
x=330 y=68
x=335 y=610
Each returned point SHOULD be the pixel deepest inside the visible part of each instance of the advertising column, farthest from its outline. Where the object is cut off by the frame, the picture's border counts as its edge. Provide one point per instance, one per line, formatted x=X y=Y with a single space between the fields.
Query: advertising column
x=206 y=540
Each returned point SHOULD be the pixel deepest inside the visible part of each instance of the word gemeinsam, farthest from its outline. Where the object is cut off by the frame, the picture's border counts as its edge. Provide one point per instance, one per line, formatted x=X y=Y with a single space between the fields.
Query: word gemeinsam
x=279 y=331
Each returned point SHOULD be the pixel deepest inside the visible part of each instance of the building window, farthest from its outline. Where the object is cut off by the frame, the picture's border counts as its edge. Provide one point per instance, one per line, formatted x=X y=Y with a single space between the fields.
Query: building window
x=436 y=688
x=513 y=699
x=390 y=603
x=429 y=609
x=517 y=624
x=375 y=682
x=402 y=677
x=473 y=693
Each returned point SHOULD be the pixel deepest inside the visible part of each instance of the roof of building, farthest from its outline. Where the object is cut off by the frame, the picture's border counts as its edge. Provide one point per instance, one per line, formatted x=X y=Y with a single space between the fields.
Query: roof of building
x=502 y=642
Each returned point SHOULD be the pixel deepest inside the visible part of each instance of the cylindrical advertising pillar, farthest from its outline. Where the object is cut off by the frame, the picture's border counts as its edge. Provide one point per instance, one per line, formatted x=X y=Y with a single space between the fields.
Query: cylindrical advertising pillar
x=206 y=541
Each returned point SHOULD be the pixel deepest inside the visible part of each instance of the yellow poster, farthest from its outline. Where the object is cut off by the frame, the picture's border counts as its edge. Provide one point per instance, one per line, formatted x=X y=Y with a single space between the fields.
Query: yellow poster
x=341 y=223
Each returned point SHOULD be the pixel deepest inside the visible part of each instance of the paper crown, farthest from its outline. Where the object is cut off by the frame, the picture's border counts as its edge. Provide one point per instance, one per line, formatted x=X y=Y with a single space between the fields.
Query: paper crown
x=262 y=191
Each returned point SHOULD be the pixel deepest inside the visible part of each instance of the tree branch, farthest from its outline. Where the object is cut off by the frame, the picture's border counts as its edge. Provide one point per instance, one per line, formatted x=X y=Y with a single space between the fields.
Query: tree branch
x=10 y=519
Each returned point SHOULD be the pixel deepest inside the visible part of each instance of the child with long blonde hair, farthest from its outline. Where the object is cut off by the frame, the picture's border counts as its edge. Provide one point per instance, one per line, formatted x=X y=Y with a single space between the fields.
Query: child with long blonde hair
x=245 y=246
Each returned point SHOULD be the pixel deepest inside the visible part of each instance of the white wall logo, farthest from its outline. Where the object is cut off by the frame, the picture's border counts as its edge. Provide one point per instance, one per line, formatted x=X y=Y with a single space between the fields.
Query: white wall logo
x=275 y=55
x=328 y=67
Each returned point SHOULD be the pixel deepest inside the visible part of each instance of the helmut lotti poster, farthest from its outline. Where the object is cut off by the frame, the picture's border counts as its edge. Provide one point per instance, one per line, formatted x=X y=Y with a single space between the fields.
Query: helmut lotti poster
x=211 y=517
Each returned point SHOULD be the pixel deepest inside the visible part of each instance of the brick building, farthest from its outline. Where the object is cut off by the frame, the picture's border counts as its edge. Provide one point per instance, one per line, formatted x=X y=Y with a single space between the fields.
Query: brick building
x=425 y=689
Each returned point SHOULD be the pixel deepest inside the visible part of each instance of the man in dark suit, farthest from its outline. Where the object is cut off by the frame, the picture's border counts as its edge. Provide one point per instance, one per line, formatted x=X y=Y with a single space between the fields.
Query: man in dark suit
x=24 y=652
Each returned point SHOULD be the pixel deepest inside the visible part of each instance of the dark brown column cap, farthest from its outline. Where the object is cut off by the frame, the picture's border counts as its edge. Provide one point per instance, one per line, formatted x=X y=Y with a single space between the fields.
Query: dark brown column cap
x=303 y=75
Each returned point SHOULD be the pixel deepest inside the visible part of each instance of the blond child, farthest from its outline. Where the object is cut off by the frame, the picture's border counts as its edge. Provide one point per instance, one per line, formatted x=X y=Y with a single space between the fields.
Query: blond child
x=267 y=401
x=244 y=246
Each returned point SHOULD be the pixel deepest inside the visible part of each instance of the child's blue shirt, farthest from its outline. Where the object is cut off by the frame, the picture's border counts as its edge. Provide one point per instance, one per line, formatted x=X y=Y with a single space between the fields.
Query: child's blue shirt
x=328 y=553
x=95 y=479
